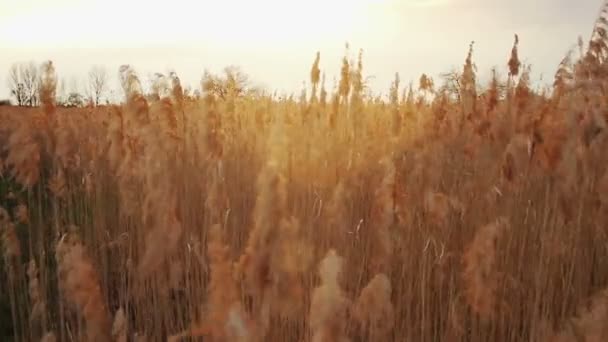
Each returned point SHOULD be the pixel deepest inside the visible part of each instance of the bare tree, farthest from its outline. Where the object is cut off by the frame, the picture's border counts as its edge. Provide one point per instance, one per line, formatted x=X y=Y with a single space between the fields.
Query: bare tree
x=29 y=77
x=98 y=82
x=15 y=85
x=234 y=83
x=451 y=84
x=23 y=83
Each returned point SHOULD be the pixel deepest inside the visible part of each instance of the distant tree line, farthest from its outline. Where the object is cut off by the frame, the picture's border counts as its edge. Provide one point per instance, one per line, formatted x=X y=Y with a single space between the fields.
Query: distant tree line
x=23 y=84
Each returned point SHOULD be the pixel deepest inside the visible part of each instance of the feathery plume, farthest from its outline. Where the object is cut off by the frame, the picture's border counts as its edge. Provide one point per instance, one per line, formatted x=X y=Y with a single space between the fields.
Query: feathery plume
x=80 y=285
x=514 y=62
x=329 y=306
x=373 y=309
x=480 y=274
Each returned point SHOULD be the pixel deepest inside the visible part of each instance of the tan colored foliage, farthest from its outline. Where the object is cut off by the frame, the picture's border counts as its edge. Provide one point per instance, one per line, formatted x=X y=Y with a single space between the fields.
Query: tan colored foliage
x=448 y=213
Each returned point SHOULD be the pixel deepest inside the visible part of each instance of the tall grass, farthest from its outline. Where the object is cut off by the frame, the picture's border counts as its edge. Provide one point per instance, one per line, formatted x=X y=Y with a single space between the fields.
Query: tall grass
x=456 y=213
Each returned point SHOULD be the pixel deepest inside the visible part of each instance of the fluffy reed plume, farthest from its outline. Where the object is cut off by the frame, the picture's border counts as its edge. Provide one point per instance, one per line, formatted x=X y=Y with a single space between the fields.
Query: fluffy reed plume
x=213 y=124
x=292 y=261
x=373 y=310
x=323 y=93
x=168 y=121
x=315 y=74
x=383 y=217
x=38 y=306
x=156 y=130
x=514 y=62
x=393 y=93
x=481 y=278
x=329 y=306
x=80 y=286
x=48 y=86
x=394 y=100
x=10 y=241
x=57 y=184
x=441 y=207
x=263 y=250
x=166 y=231
x=137 y=106
x=517 y=158
x=143 y=338
x=59 y=134
x=21 y=214
x=24 y=155
x=129 y=81
x=49 y=337
x=468 y=86
x=345 y=82
x=468 y=73
x=115 y=138
x=177 y=91
x=564 y=76
x=160 y=87
x=119 y=326
x=590 y=323
x=225 y=319
x=337 y=217
x=304 y=96
x=356 y=80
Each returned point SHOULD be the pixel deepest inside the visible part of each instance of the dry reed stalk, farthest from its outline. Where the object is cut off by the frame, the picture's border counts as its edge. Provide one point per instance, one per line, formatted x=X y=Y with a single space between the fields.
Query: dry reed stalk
x=80 y=285
x=38 y=306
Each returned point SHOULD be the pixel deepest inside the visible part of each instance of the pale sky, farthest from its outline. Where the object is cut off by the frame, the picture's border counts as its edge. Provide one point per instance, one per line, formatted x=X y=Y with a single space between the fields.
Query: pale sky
x=275 y=41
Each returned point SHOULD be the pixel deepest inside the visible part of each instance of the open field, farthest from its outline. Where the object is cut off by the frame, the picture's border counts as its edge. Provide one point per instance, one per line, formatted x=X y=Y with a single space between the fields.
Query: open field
x=454 y=212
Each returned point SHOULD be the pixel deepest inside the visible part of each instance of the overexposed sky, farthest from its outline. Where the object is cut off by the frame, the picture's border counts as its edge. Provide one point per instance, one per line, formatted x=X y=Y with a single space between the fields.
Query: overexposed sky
x=275 y=41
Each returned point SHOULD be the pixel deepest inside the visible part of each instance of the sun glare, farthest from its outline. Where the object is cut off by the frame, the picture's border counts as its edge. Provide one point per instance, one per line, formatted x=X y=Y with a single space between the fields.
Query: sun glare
x=87 y=23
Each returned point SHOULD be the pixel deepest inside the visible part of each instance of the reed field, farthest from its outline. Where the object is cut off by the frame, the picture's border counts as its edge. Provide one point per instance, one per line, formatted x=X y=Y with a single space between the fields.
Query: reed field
x=450 y=210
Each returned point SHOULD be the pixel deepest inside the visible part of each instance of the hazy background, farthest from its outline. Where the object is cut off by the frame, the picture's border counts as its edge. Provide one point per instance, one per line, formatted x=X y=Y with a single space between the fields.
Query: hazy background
x=275 y=41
